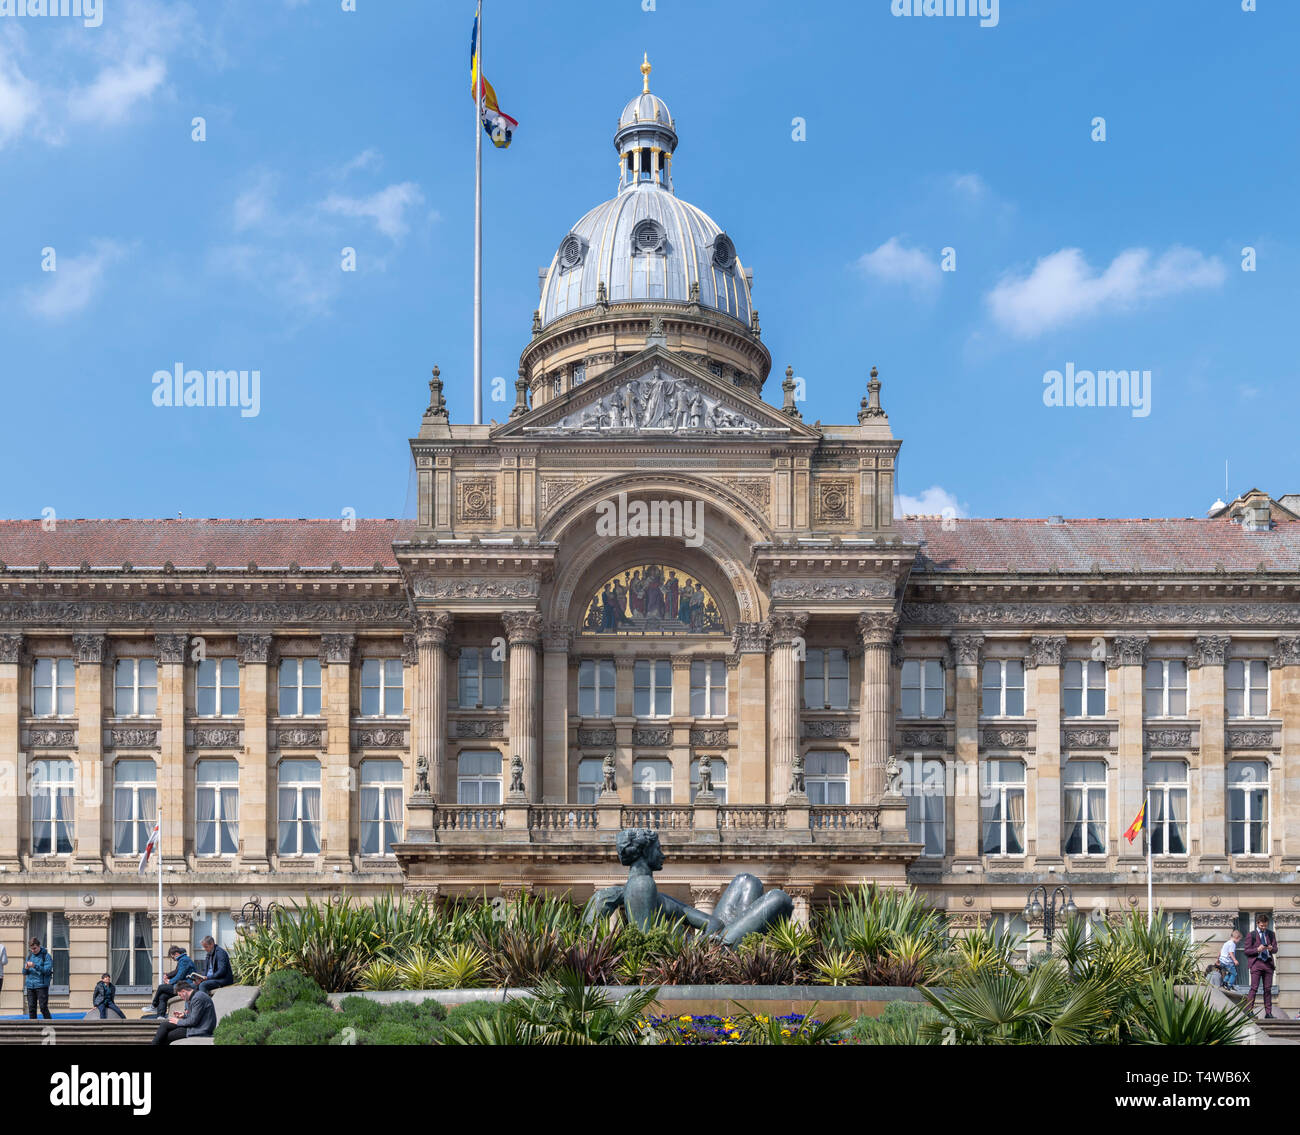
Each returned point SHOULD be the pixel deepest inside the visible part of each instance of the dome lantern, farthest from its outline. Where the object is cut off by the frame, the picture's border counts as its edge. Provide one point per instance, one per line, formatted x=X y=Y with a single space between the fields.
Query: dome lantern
x=645 y=139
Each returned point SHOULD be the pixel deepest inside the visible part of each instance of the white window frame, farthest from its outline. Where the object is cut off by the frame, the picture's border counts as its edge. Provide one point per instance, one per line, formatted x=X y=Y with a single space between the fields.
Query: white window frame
x=822 y=784
x=484 y=668
x=1087 y=790
x=478 y=781
x=602 y=686
x=384 y=821
x=219 y=820
x=1162 y=820
x=919 y=789
x=1164 y=690
x=47 y=925
x=217 y=924
x=924 y=688
x=817 y=673
x=1250 y=668
x=1246 y=788
x=63 y=786
x=1003 y=790
x=299 y=786
x=140 y=822
x=133 y=985
x=654 y=685
x=224 y=692
x=589 y=789
x=386 y=687
x=709 y=682
x=644 y=786
x=1088 y=667
x=298 y=687
x=718 y=774
x=62 y=687
x=134 y=687
x=1001 y=687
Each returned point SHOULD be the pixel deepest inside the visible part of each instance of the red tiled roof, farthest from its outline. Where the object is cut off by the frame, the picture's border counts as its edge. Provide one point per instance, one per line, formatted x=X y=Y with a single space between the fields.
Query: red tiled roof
x=194 y=543
x=1174 y=545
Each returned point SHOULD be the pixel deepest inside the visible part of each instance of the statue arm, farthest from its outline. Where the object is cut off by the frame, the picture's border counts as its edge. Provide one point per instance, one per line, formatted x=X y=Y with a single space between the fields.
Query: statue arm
x=603 y=903
x=697 y=918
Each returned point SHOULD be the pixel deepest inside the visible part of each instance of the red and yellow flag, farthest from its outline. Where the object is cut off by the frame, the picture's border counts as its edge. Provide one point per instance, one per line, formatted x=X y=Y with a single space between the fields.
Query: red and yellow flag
x=1137 y=824
x=498 y=125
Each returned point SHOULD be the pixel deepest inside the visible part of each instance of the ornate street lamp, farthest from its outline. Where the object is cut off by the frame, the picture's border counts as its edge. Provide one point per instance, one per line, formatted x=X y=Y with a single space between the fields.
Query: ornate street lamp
x=1059 y=904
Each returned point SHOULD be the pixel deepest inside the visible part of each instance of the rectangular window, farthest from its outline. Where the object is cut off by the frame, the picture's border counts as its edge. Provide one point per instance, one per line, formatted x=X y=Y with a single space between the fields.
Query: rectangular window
x=1248 y=808
x=54 y=687
x=1003 y=689
x=922 y=688
x=718 y=774
x=381 y=806
x=652 y=686
x=478 y=778
x=1167 y=783
x=596 y=688
x=218 y=688
x=1247 y=689
x=591 y=777
x=135 y=805
x=826 y=778
x=1165 y=693
x=1085 y=688
x=1084 y=821
x=53 y=788
x=1003 y=808
x=652 y=781
x=135 y=692
x=826 y=679
x=300 y=687
x=130 y=952
x=219 y=926
x=381 y=688
x=216 y=814
x=50 y=928
x=709 y=689
x=299 y=808
x=480 y=679
x=923 y=786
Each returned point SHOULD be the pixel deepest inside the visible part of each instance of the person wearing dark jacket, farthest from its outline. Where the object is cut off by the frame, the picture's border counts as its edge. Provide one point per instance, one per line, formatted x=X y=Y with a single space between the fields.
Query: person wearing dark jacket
x=104 y=999
x=217 y=973
x=38 y=970
x=198 y=1019
x=174 y=983
x=1260 y=948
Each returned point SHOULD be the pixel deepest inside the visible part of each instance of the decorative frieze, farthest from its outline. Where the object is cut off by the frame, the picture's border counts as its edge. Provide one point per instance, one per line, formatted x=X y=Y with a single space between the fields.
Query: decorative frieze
x=479 y=728
x=1086 y=738
x=1213 y=919
x=51 y=737
x=132 y=737
x=652 y=737
x=1013 y=738
x=832 y=589
x=1103 y=614
x=709 y=738
x=381 y=737
x=95 y=919
x=1252 y=737
x=481 y=587
x=213 y=613
x=299 y=737
x=1169 y=738
x=823 y=728
x=596 y=738
x=217 y=737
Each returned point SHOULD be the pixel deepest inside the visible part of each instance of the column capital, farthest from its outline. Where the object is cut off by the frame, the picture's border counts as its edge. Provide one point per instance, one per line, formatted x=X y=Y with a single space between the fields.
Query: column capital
x=11 y=647
x=877 y=627
x=558 y=638
x=170 y=648
x=750 y=638
x=1286 y=652
x=1210 y=650
x=1045 y=650
x=90 y=648
x=1127 y=650
x=336 y=648
x=966 y=649
x=433 y=628
x=786 y=626
x=523 y=628
x=254 y=647
x=93 y=918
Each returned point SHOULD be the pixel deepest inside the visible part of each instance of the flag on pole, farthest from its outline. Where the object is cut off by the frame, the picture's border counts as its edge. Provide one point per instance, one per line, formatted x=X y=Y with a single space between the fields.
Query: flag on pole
x=1138 y=823
x=500 y=127
x=148 y=850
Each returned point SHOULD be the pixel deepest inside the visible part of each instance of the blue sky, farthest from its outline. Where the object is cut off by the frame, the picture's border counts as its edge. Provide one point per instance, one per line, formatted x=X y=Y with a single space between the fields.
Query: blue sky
x=327 y=128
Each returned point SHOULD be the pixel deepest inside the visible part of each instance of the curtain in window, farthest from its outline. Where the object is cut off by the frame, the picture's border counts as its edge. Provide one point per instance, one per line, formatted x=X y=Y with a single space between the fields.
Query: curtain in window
x=392 y=817
x=59 y=945
x=229 y=821
x=41 y=827
x=64 y=808
x=1073 y=815
x=1015 y=823
x=288 y=813
x=311 y=821
x=205 y=828
x=1178 y=828
x=1096 y=823
x=122 y=821
x=370 y=821
x=148 y=803
x=119 y=940
x=143 y=951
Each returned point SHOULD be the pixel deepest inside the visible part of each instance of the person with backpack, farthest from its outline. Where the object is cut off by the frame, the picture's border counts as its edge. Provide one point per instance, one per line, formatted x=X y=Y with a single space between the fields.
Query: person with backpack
x=104 y=999
x=38 y=970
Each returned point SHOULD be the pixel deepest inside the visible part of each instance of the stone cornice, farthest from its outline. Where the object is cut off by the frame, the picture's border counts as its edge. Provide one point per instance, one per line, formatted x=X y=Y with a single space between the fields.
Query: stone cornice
x=231 y=613
x=1093 y=614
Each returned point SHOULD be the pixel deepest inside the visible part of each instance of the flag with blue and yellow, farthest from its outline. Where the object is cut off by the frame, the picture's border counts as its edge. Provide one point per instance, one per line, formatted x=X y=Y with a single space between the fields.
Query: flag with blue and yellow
x=500 y=126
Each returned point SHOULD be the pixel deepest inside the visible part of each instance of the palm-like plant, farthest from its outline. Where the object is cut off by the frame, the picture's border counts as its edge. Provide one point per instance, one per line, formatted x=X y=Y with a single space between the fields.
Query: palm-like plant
x=837 y=967
x=461 y=966
x=379 y=976
x=1167 y=1018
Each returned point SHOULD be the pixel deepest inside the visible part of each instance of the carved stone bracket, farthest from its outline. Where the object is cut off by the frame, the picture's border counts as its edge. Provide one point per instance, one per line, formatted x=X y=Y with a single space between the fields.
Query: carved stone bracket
x=11 y=648
x=254 y=648
x=750 y=638
x=966 y=649
x=1045 y=650
x=1286 y=652
x=89 y=648
x=171 y=648
x=1211 y=650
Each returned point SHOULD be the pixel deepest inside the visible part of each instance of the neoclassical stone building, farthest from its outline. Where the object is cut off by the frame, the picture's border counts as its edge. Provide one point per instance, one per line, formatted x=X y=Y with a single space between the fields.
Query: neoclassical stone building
x=648 y=598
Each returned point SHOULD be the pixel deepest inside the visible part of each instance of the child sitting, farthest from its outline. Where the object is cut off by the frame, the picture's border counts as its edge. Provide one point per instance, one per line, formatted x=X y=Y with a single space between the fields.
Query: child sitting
x=105 y=991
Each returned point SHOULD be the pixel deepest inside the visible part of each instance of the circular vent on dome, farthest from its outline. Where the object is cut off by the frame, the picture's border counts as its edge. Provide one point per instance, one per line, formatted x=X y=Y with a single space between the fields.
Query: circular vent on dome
x=724 y=252
x=571 y=250
x=648 y=236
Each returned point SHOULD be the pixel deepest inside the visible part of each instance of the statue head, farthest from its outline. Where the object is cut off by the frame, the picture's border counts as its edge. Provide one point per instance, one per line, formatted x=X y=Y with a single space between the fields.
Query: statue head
x=640 y=845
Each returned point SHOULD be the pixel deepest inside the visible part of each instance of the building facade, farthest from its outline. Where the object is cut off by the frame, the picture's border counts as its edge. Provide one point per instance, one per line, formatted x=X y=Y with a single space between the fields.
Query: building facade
x=648 y=598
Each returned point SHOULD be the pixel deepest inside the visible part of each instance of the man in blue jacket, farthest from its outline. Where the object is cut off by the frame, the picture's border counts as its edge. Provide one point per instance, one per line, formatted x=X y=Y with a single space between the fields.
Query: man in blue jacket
x=217 y=973
x=175 y=981
x=199 y=1017
x=38 y=969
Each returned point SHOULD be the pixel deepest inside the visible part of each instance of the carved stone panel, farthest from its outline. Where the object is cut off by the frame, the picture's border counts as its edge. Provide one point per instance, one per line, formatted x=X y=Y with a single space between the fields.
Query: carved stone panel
x=1169 y=738
x=1086 y=738
x=1006 y=738
x=132 y=737
x=709 y=738
x=217 y=737
x=833 y=502
x=51 y=737
x=595 y=738
x=654 y=737
x=479 y=728
x=299 y=737
x=1252 y=737
x=476 y=500
x=381 y=737
x=826 y=729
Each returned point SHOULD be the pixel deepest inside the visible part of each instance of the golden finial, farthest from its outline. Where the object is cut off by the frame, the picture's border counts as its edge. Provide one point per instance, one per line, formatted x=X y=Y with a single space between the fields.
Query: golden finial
x=645 y=73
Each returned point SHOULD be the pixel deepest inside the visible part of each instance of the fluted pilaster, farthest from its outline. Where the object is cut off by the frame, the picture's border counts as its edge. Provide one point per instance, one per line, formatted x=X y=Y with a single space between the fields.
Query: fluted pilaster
x=524 y=634
x=433 y=630
x=787 y=642
x=875 y=722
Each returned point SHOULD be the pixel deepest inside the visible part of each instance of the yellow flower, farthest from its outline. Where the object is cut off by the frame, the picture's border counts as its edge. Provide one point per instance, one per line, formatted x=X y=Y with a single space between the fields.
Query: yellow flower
x=684 y=1017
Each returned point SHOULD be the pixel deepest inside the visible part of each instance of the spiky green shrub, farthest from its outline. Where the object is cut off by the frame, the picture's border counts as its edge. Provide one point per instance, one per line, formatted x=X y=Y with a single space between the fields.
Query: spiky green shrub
x=381 y=975
x=899 y=1023
x=461 y=966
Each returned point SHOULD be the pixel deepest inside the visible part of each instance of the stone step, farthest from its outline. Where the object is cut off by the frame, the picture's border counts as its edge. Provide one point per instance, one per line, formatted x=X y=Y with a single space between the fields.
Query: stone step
x=77 y=1032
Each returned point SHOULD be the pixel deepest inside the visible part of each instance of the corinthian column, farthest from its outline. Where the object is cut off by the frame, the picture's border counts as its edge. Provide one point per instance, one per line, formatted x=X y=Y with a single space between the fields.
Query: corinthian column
x=787 y=651
x=432 y=630
x=875 y=726
x=524 y=634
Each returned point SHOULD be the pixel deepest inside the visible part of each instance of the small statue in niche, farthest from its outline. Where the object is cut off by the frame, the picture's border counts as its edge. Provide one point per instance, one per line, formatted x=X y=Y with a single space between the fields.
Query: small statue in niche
x=517 y=773
x=607 y=774
x=422 y=773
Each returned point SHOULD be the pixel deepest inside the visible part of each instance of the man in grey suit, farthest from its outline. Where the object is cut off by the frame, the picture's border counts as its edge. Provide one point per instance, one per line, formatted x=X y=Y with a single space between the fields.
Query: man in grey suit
x=198 y=1019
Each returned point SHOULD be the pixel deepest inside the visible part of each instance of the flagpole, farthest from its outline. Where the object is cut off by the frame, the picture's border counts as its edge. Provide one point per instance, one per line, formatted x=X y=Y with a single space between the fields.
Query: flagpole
x=160 y=897
x=478 y=227
x=1147 y=825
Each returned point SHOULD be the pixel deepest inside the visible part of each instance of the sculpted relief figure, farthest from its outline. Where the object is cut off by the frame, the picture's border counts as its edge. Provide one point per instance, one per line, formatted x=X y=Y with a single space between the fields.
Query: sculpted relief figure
x=743 y=908
x=656 y=401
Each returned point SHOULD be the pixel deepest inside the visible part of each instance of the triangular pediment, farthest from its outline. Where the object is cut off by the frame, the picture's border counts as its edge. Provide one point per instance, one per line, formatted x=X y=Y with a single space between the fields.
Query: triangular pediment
x=656 y=394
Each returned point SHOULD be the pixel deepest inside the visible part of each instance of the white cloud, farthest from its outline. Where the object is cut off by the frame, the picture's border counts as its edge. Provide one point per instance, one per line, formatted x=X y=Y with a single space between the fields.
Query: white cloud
x=367 y=159
x=1063 y=288
x=75 y=283
x=934 y=501
x=895 y=263
x=254 y=205
x=282 y=275
x=387 y=208
x=969 y=185
x=110 y=98
x=18 y=101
